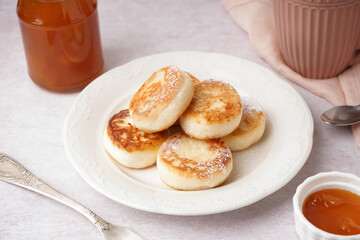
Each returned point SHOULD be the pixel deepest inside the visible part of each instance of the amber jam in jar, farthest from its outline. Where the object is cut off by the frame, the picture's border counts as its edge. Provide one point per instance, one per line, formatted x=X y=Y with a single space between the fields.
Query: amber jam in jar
x=61 y=42
x=335 y=211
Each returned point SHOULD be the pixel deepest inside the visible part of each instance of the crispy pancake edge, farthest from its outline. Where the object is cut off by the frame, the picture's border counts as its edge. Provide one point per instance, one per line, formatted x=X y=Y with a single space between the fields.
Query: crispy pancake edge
x=201 y=170
x=131 y=142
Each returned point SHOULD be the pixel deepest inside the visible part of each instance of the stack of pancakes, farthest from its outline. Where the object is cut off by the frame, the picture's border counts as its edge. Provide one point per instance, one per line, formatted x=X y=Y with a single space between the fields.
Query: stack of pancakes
x=213 y=118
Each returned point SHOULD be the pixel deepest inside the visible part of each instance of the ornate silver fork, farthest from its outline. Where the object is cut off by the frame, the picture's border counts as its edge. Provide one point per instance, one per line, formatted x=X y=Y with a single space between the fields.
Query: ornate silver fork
x=13 y=172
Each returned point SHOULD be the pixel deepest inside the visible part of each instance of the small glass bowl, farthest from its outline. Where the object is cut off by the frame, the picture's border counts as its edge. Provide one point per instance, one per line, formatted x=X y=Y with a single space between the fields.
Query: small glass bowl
x=327 y=180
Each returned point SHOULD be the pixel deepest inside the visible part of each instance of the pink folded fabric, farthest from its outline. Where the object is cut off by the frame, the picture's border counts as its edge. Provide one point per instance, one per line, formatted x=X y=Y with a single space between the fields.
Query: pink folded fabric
x=256 y=18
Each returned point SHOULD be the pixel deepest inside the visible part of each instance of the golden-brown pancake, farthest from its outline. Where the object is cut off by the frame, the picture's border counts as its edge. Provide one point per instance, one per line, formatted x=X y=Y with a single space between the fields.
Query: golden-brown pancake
x=251 y=128
x=215 y=110
x=161 y=99
x=130 y=146
x=186 y=163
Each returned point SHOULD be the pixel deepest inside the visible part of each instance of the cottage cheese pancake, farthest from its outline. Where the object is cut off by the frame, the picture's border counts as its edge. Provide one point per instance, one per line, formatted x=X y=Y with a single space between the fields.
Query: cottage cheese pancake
x=251 y=128
x=130 y=146
x=186 y=163
x=161 y=99
x=215 y=110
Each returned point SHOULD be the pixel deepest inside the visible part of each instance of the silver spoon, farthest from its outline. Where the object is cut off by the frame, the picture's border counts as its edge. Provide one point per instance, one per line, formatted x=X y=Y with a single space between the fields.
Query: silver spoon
x=342 y=115
x=13 y=172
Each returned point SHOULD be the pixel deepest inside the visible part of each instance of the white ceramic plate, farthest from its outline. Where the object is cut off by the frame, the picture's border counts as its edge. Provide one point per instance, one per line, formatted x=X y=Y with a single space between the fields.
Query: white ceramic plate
x=258 y=171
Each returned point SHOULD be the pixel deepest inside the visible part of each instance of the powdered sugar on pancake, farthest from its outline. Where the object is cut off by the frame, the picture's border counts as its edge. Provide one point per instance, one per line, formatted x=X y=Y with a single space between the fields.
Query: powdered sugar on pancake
x=250 y=104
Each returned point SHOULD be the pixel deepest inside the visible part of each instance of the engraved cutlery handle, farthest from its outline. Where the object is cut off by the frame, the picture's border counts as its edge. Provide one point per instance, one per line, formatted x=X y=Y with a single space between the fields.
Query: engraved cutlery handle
x=13 y=172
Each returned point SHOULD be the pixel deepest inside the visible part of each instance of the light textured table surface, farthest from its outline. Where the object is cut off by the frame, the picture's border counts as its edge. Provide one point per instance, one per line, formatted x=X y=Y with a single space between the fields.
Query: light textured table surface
x=31 y=122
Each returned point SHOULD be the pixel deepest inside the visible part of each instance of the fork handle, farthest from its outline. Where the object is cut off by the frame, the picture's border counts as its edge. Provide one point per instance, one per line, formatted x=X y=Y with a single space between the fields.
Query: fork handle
x=13 y=172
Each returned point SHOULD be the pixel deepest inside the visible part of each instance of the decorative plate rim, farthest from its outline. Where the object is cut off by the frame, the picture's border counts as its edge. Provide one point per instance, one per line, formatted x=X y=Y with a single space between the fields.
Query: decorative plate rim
x=84 y=163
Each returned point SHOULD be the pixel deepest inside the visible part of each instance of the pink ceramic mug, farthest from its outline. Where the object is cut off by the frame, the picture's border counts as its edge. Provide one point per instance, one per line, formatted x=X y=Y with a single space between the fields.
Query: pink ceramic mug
x=318 y=38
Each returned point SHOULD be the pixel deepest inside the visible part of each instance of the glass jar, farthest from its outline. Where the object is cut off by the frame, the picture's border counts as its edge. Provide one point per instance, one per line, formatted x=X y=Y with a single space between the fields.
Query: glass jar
x=61 y=42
